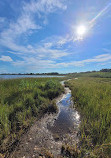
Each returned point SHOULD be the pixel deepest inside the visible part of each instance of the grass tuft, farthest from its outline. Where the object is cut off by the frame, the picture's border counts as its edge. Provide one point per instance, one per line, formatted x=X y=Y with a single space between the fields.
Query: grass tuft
x=21 y=102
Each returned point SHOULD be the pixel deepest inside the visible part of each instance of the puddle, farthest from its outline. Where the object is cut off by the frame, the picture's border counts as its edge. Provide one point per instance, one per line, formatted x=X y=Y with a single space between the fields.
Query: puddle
x=67 y=120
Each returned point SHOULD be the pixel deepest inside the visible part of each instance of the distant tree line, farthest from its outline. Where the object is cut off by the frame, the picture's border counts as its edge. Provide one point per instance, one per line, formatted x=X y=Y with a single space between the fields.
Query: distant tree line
x=51 y=73
x=102 y=70
x=56 y=73
x=105 y=70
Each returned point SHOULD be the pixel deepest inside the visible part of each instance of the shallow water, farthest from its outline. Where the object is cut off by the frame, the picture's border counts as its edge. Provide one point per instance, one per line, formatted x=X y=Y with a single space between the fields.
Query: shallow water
x=26 y=76
x=68 y=118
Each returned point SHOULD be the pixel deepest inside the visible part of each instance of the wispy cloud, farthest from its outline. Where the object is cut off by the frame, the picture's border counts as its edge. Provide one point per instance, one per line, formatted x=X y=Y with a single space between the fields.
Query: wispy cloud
x=34 y=63
x=36 y=56
x=26 y=22
x=44 y=6
x=103 y=11
x=6 y=58
x=56 y=41
x=41 y=52
x=37 y=63
x=96 y=59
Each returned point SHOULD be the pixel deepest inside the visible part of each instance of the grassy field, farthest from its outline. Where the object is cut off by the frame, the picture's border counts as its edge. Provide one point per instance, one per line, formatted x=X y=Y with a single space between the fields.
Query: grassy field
x=91 y=74
x=21 y=102
x=92 y=97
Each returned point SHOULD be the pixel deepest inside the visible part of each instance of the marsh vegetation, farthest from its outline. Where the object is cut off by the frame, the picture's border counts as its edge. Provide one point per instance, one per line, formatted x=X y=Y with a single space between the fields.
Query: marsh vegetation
x=97 y=74
x=92 y=97
x=21 y=102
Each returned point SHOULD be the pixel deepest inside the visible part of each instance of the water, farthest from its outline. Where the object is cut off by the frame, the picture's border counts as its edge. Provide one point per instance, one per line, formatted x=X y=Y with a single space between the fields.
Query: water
x=26 y=76
x=68 y=119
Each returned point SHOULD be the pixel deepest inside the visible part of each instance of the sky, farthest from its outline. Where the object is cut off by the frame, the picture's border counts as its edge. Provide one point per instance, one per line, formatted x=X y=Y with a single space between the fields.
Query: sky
x=45 y=35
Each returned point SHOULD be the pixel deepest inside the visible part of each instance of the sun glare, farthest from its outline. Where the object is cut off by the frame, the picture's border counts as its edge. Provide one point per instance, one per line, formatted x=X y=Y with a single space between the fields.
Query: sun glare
x=81 y=31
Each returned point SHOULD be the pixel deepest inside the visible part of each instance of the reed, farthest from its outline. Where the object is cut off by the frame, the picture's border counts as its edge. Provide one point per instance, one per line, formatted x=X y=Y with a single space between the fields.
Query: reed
x=92 y=97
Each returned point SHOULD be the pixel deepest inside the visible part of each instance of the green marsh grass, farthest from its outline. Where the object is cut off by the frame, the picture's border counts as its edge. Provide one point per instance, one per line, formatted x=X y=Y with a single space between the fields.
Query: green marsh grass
x=92 y=97
x=91 y=74
x=21 y=102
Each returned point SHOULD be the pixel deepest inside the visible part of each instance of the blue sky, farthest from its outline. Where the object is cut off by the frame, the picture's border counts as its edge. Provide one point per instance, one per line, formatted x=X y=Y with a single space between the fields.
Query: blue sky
x=41 y=35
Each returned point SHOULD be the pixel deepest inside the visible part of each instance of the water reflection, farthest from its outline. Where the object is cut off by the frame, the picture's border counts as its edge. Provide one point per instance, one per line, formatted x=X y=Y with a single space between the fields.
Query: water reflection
x=68 y=119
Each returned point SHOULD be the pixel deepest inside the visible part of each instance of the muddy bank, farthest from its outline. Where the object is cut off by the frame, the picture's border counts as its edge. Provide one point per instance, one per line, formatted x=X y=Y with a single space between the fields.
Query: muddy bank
x=49 y=133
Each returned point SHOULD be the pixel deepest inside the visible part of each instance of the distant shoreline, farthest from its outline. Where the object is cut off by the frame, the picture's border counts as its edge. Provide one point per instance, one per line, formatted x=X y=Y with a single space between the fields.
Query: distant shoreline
x=14 y=76
x=37 y=74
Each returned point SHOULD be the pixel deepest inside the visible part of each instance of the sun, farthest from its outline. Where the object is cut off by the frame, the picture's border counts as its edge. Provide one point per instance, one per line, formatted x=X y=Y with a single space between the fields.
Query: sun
x=81 y=31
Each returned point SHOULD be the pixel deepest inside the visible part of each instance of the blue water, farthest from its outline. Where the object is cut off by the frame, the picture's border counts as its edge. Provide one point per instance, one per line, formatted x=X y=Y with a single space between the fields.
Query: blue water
x=68 y=118
x=26 y=76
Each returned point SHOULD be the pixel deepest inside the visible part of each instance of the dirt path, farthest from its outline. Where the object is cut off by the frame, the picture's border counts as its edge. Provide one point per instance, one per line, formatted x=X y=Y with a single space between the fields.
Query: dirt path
x=39 y=139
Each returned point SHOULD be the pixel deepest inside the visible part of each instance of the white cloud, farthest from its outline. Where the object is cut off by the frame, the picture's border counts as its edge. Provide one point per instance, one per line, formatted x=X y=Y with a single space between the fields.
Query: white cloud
x=34 y=63
x=96 y=59
x=6 y=58
x=48 y=45
x=26 y=20
x=38 y=63
x=51 y=53
x=44 y=6
x=40 y=51
x=23 y=25
x=27 y=23
x=48 y=48
x=56 y=41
